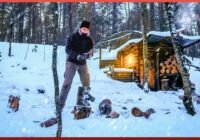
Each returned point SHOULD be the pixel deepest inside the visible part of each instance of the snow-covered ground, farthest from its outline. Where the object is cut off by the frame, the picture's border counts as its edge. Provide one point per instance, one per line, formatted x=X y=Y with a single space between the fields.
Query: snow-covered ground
x=168 y=120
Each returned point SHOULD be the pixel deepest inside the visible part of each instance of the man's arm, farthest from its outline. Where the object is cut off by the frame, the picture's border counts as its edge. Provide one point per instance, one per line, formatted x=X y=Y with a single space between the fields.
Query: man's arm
x=69 y=49
x=91 y=52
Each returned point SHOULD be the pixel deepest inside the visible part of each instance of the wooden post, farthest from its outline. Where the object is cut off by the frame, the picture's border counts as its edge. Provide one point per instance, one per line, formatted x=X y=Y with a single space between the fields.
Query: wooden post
x=139 y=59
x=122 y=60
x=112 y=71
x=158 y=68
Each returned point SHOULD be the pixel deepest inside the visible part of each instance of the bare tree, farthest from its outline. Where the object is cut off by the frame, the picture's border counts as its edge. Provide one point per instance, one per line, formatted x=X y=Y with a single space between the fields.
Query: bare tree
x=54 y=7
x=144 y=15
x=72 y=7
x=187 y=101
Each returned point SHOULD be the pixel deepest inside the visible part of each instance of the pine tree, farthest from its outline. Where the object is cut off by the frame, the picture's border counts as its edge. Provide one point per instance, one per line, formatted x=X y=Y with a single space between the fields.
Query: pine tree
x=187 y=101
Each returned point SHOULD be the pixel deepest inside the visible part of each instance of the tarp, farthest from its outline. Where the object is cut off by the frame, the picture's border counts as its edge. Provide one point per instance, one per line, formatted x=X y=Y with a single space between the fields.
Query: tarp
x=184 y=41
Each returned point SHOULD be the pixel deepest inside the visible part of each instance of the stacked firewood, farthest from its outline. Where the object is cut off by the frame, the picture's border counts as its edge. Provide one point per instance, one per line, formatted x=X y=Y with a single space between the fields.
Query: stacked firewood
x=170 y=66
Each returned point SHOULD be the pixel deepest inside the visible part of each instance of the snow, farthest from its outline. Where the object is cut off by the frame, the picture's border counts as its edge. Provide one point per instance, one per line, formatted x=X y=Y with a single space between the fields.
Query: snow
x=106 y=55
x=190 y=37
x=122 y=70
x=35 y=107
x=164 y=34
x=112 y=55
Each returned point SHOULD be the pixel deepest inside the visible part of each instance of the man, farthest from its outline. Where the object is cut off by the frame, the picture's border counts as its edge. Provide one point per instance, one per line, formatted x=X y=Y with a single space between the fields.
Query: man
x=79 y=48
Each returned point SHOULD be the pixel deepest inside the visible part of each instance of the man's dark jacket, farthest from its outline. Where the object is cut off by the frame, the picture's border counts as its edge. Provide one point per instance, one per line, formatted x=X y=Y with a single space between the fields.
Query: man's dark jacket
x=78 y=44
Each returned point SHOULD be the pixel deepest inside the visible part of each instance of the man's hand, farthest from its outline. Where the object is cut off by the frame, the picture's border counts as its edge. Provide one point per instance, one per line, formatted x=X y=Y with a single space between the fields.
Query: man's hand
x=85 y=56
x=89 y=54
x=81 y=57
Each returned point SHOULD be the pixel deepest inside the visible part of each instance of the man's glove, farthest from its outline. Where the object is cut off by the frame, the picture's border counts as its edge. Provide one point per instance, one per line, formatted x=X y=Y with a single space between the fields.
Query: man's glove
x=81 y=58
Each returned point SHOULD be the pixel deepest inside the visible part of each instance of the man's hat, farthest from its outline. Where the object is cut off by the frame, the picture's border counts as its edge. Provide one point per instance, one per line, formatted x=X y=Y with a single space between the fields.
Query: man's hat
x=85 y=24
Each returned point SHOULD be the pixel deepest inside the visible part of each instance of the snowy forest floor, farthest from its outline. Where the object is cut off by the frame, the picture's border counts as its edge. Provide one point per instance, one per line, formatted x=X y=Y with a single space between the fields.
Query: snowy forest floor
x=168 y=120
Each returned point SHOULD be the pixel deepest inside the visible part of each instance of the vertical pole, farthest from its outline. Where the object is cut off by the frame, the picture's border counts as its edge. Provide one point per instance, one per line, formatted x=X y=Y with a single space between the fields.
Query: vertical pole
x=158 y=68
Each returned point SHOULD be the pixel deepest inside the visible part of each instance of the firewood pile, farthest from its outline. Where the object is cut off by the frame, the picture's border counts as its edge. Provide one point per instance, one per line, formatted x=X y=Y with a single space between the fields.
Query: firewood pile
x=170 y=66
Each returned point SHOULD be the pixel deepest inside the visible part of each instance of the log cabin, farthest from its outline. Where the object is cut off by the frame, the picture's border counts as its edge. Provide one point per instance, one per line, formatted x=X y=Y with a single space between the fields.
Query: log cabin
x=125 y=63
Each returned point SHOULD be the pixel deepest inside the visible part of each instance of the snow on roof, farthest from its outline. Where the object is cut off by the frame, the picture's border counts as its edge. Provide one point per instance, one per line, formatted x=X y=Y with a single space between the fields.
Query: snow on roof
x=117 y=38
x=112 y=55
x=110 y=39
x=164 y=34
x=190 y=37
x=106 y=55
x=137 y=40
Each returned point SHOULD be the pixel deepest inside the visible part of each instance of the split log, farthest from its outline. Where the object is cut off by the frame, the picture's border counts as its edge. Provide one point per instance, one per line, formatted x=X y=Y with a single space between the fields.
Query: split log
x=105 y=107
x=174 y=70
x=49 y=122
x=138 y=113
x=169 y=66
x=113 y=115
x=166 y=62
x=161 y=64
x=13 y=102
x=174 y=63
x=168 y=71
x=82 y=111
x=162 y=71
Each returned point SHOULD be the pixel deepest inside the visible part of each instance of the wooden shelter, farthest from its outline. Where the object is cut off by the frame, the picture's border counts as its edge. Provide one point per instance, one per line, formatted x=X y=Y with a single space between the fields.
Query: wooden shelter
x=126 y=62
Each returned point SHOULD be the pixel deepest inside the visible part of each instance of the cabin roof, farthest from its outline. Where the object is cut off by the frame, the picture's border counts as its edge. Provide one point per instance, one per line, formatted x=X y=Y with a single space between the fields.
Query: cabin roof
x=165 y=37
x=153 y=37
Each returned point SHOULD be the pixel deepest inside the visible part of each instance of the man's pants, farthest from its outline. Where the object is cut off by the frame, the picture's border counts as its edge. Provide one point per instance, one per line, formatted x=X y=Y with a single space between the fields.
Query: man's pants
x=70 y=71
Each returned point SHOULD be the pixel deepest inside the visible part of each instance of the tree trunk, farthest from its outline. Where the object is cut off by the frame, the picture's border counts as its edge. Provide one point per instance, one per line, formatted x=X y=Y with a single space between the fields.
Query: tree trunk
x=114 y=17
x=34 y=24
x=29 y=33
x=187 y=101
x=21 y=22
x=64 y=28
x=11 y=31
x=2 y=30
x=10 y=40
x=72 y=16
x=137 y=21
x=152 y=15
x=161 y=17
x=54 y=69
x=92 y=19
x=144 y=15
